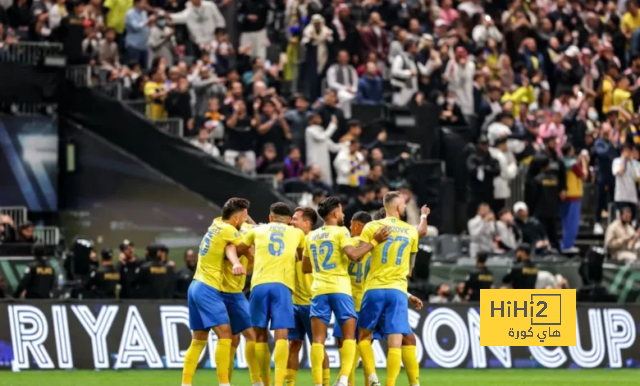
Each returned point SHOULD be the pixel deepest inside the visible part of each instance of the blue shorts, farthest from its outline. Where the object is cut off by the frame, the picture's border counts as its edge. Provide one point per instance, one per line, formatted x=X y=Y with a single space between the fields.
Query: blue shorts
x=303 y=323
x=238 y=310
x=377 y=333
x=340 y=304
x=386 y=309
x=271 y=302
x=206 y=308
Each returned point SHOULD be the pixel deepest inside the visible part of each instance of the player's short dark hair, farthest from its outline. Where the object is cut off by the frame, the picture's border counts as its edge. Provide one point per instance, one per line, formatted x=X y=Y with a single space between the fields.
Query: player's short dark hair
x=281 y=209
x=328 y=205
x=233 y=206
x=390 y=196
x=380 y=214
x=362 y=217
x=482 y=256
x=309 y=214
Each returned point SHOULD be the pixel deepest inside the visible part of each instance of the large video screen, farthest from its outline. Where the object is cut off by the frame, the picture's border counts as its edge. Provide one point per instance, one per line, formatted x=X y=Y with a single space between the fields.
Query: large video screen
x=29 y=162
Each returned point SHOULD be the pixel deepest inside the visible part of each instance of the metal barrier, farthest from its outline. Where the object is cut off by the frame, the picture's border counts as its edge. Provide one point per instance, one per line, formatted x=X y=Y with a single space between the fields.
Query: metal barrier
x=48 y=235
x=270 y=179
x=17 y=213
x=295 y=197
x=79 y=75
x=138 y=105
x=47 y=109
x=113 y=90
x=29 y=52
x=173 y=126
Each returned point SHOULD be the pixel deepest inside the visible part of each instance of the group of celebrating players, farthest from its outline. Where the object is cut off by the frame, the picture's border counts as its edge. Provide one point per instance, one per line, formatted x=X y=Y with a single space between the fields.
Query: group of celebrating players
x=300 y=278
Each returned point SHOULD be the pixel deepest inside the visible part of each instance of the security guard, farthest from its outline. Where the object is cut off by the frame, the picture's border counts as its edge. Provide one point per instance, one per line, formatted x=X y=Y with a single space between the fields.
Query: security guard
x=184 y=276
x=129 y=267
x=38 y=279
x=155 y=278
x=479 y=278
x=104 y=280
x=524 y=274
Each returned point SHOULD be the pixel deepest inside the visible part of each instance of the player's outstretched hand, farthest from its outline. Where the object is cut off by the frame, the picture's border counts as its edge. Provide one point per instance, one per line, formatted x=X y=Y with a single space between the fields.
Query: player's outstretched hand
x=239 y=270
x=425 y=210
x=382 y=234
x=415 y=302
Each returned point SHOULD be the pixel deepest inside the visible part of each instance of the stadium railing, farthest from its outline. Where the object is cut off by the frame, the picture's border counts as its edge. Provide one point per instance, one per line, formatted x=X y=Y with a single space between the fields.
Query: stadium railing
x=29 y=52
x=48 y=235
x=269 y=179
x=17 y=213
x=139 y=105
x=517 y=186
x=79 y=75
x=30 y=108
x=173 y=126
x=113 y=90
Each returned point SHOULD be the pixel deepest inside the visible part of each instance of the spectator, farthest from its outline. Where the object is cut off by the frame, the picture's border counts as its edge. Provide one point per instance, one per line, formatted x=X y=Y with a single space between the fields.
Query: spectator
x=267 y=159
x=482 y=168
x=621 y=239
x=525 y=273
x=271 y=126
x=202 y=18
x=161 y=38
x=570 y=208
x=606 y=150
x=412 y=211
x=459 y=72
x=480 y=278
x=317 y=196
x=109 y=56
x=328 y=111
x=484 y=31
x=137 y=37
x=508 y=171
x=293 y=163
x=26 y=233
x=622 y=94
x=316 y=37
x=343 y=79
x=299 y=184
x=184 y=276
x=351 y=168
x=482 y=230
x=39 y=277
x=128 y=267
x=203 y=143
x=447 y=13
x=375 y=38
x=404 y=74
x=178 y=104
x=508 y=235
x=71 y=33
x=346 y=36
x=91 y=45
x=442 y=294
x=364 y=201
x=545 y=199
x=116 y=16
x=627 y=172
x=353 y=132
x=241 y=135
x=376 y=177
x=155 y=94
x=205 y=86
x=533 y=233
x=318 y=180
x=298 y=120
x=553 y=128
x=429 y=63
x=252 y=15
x=450 y=112
x=319 y=145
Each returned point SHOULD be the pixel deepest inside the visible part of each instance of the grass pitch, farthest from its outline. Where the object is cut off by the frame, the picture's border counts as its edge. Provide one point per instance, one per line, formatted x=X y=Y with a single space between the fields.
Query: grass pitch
x=537 y=377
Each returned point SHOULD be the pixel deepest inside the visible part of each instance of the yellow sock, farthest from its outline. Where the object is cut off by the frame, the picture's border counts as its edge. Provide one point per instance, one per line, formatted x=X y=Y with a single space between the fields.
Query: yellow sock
x=368 y=360
x=252 y=361
x=317 y=357
x=232 y=361
x=263 y=357
x=347 y=355
x=191 y=360
x=326 y=377
x=411 y=366
x=290 y=379
x=352 y=376
x=281 y=358
x=394 y=361
x=222 y=360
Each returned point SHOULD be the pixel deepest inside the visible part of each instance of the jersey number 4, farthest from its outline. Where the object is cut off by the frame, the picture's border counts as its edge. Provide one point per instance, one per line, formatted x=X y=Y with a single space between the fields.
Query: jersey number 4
x=403 y=244
x=326 y=249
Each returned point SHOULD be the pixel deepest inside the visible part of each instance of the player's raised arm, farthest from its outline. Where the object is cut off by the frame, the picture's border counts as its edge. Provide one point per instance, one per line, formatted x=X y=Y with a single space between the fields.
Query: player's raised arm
x=231 y=253
x=422 y=227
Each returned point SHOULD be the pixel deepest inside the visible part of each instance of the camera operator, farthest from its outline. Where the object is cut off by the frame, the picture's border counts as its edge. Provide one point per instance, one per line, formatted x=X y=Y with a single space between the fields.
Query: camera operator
x=103 y=281
x=184 y=276
x=38 y=279
x=156 y=277
x=479 y=278
x=128 y=268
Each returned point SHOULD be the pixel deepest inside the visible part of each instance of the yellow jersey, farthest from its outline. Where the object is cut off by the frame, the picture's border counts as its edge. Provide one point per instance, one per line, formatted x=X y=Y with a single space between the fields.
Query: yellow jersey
x=211 y=255
x=358 y=273
x=608 y=84
x=155 y=106
x=390 y=260
x=330 y=266
x=302 y=291
x=231 y=283
x=622 y=98
x=275 y=255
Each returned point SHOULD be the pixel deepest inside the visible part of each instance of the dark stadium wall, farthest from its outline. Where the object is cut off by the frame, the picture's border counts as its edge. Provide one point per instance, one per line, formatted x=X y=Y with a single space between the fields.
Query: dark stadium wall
x=154 y=335
x=110 y=195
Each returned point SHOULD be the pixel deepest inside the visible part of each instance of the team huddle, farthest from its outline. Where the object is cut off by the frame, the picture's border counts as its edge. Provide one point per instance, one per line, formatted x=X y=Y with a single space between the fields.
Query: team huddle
x=301 y=277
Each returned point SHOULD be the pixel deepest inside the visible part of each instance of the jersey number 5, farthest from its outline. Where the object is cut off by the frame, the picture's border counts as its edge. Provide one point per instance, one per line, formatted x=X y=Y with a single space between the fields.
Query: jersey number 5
x=276 y=239
x=403 y=244
x=326 y=249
